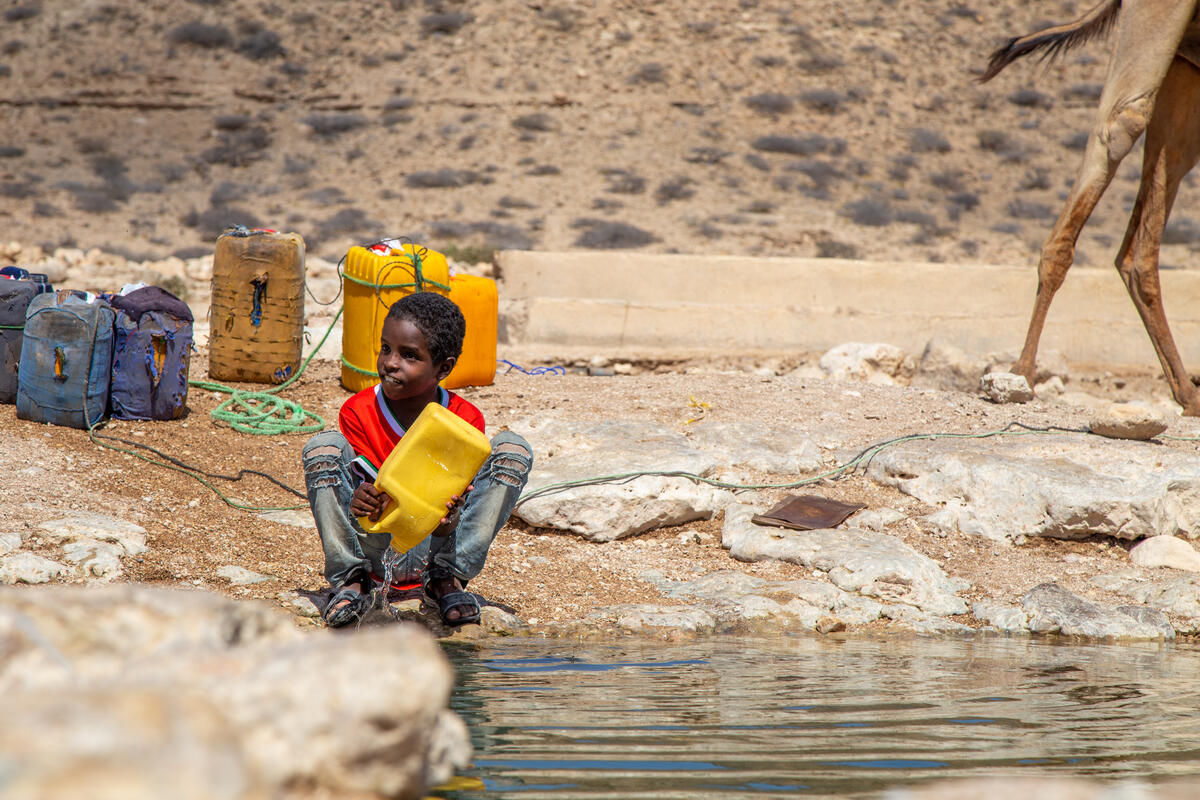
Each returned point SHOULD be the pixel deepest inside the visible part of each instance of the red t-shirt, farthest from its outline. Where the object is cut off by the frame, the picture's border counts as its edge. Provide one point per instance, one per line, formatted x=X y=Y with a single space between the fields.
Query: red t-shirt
x=372 y=430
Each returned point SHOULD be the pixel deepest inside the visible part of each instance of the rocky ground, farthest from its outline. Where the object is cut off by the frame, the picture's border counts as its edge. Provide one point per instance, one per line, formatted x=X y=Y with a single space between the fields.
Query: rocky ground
x=634 y=558
x=742 y=126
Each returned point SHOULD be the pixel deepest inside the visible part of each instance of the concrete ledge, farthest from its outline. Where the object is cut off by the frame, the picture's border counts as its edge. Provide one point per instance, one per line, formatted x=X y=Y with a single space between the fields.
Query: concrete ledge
x=615 y=301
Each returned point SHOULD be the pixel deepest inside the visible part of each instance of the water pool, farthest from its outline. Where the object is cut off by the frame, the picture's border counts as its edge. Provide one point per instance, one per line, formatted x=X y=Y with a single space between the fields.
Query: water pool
x=817 y=717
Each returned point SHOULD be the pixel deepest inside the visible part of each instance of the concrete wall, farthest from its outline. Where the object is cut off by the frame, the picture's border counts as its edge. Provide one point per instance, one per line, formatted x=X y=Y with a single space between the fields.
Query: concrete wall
x=614 y=301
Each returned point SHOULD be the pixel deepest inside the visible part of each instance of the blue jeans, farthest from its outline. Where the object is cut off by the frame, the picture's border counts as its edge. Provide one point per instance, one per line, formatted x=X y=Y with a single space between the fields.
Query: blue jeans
x=352 y=554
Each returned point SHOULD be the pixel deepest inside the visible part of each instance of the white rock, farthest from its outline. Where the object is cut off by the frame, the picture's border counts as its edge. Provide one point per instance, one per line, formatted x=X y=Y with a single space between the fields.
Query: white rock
x=101 y=559
x=296 y=517
x=1005 y=387
x=130 y=535
x=1061 y=486
x=1052 y=609
x=1165 y=551
x=9 y=541
x=240 y=576
x=1011 y=619
x=1128 y=421
x=874 y=362
x=872 y=564
x=23 y=567
x=875 y=519
x=746 y=444
x=1050 y=388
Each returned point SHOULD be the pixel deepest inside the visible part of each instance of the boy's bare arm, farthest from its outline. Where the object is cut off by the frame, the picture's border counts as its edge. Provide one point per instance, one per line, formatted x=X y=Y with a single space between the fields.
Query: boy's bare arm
x=368 y=501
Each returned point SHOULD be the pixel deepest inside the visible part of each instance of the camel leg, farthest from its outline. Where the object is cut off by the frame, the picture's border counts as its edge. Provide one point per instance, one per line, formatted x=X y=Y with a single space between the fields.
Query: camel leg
x=1172 y=149
x=1139 y=63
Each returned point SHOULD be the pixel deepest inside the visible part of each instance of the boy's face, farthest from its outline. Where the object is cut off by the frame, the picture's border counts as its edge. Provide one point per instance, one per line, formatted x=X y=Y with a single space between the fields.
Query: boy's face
x=406 y=368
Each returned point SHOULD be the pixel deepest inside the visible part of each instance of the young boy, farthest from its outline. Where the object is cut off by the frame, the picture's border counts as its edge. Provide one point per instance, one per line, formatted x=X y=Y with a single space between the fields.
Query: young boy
x=421 y=341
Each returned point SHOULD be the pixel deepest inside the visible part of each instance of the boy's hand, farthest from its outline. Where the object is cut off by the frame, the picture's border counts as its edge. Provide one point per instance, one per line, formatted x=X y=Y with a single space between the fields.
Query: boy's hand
x=450 y=521
x=369 y=502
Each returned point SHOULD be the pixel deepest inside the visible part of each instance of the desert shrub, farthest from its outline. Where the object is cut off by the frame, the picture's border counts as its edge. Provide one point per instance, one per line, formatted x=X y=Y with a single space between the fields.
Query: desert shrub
x=12 y=47
x=821 y=173
x=18 y=190
x=445 y=178
x=261 y=45
x=914 y=216
x=213 y=221
x=963 y=12
x=1028 y=209
x=348 y=222
x=695 y=109
x=771 y=103
x=18 y=13
x=949 y=180
x=226 y=191
x=758 y=162
x=1035 y=179
x=759 y=207
x=832 y=248
x=327 y=196
x=960 y=202
x=398 y=103
x=707 y=229
x=201 y=35
x=195 y=251
x=678 y=188
x=1030 y=98
x=600 y=234
x=490 y=236
x=818 y=64
x=331 y=126
x=9 y=151
x=544 y=170
x=706 y=155
x=541 y=123
x=826 y=101
x=652 y=72
x=924 y=140
x=561 y=18
x=240 y=147
x=447 y=23
x=231 y=122
x=811 y=144
x=622 y=181
x=702 y=27
x=1002 y=144
x=1076 y=141
x=509 y=201
x=293 y=70
x=901 y=166
x=871 y=211
x=770 y=62
x=1181 y=230
x=1089 y=92
x=43 y=209
x=1010 y=228
x=5 y=70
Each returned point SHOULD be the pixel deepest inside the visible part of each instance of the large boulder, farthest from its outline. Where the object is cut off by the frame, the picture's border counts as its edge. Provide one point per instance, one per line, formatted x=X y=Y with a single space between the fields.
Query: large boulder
x=568 y=452
x=1052 y=609
x=872 y=564
x=321 y=710
x=1062 y=486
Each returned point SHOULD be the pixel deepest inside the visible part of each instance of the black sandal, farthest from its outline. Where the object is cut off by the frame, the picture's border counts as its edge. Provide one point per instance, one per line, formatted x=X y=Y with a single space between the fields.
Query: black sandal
x=336 y=616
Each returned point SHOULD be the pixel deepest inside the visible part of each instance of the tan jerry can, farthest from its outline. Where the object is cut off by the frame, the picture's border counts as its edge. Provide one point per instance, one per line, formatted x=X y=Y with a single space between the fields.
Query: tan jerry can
x=256 y=315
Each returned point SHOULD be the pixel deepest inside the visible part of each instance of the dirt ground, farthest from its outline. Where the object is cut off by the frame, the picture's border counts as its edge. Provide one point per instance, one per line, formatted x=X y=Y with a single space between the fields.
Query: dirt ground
x=542 y=576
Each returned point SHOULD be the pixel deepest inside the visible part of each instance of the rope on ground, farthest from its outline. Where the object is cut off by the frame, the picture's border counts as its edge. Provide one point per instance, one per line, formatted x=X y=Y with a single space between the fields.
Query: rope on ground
x=862 y=458
x=556 y=370
x=261 y=412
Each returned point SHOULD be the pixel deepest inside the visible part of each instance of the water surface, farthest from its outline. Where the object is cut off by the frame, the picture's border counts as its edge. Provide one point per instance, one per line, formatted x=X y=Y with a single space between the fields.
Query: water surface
x=817 y=717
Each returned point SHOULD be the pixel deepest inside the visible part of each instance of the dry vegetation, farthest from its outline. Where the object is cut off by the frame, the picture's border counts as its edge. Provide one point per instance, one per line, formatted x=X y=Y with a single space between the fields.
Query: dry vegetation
x=820 y=128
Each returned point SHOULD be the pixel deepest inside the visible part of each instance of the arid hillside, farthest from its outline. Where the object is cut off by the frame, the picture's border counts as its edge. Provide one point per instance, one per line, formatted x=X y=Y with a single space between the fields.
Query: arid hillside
x=804 y=128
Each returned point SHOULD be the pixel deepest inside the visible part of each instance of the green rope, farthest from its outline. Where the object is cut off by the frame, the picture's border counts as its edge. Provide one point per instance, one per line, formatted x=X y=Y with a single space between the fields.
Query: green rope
x=12 y=327
x=357 y=369
x=865 y=455
x=263 y=413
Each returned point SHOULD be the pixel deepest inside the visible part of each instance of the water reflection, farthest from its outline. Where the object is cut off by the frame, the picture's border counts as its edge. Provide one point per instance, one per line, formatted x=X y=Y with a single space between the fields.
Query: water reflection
x=817 y=716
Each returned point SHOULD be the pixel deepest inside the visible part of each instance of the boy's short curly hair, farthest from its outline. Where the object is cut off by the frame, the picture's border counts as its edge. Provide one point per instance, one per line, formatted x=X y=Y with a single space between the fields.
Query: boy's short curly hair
x=438 y=318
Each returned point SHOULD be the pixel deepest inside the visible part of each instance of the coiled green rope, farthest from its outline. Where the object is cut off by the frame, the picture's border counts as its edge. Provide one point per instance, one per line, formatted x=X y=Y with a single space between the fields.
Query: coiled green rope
x=261 y=412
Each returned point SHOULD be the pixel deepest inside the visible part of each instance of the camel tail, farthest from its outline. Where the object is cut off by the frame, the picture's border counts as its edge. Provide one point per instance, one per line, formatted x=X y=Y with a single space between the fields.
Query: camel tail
x=1053 y=42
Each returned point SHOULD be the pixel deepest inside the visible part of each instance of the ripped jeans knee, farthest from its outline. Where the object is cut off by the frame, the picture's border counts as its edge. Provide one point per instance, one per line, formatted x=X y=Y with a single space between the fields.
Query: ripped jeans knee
x=512 y=459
